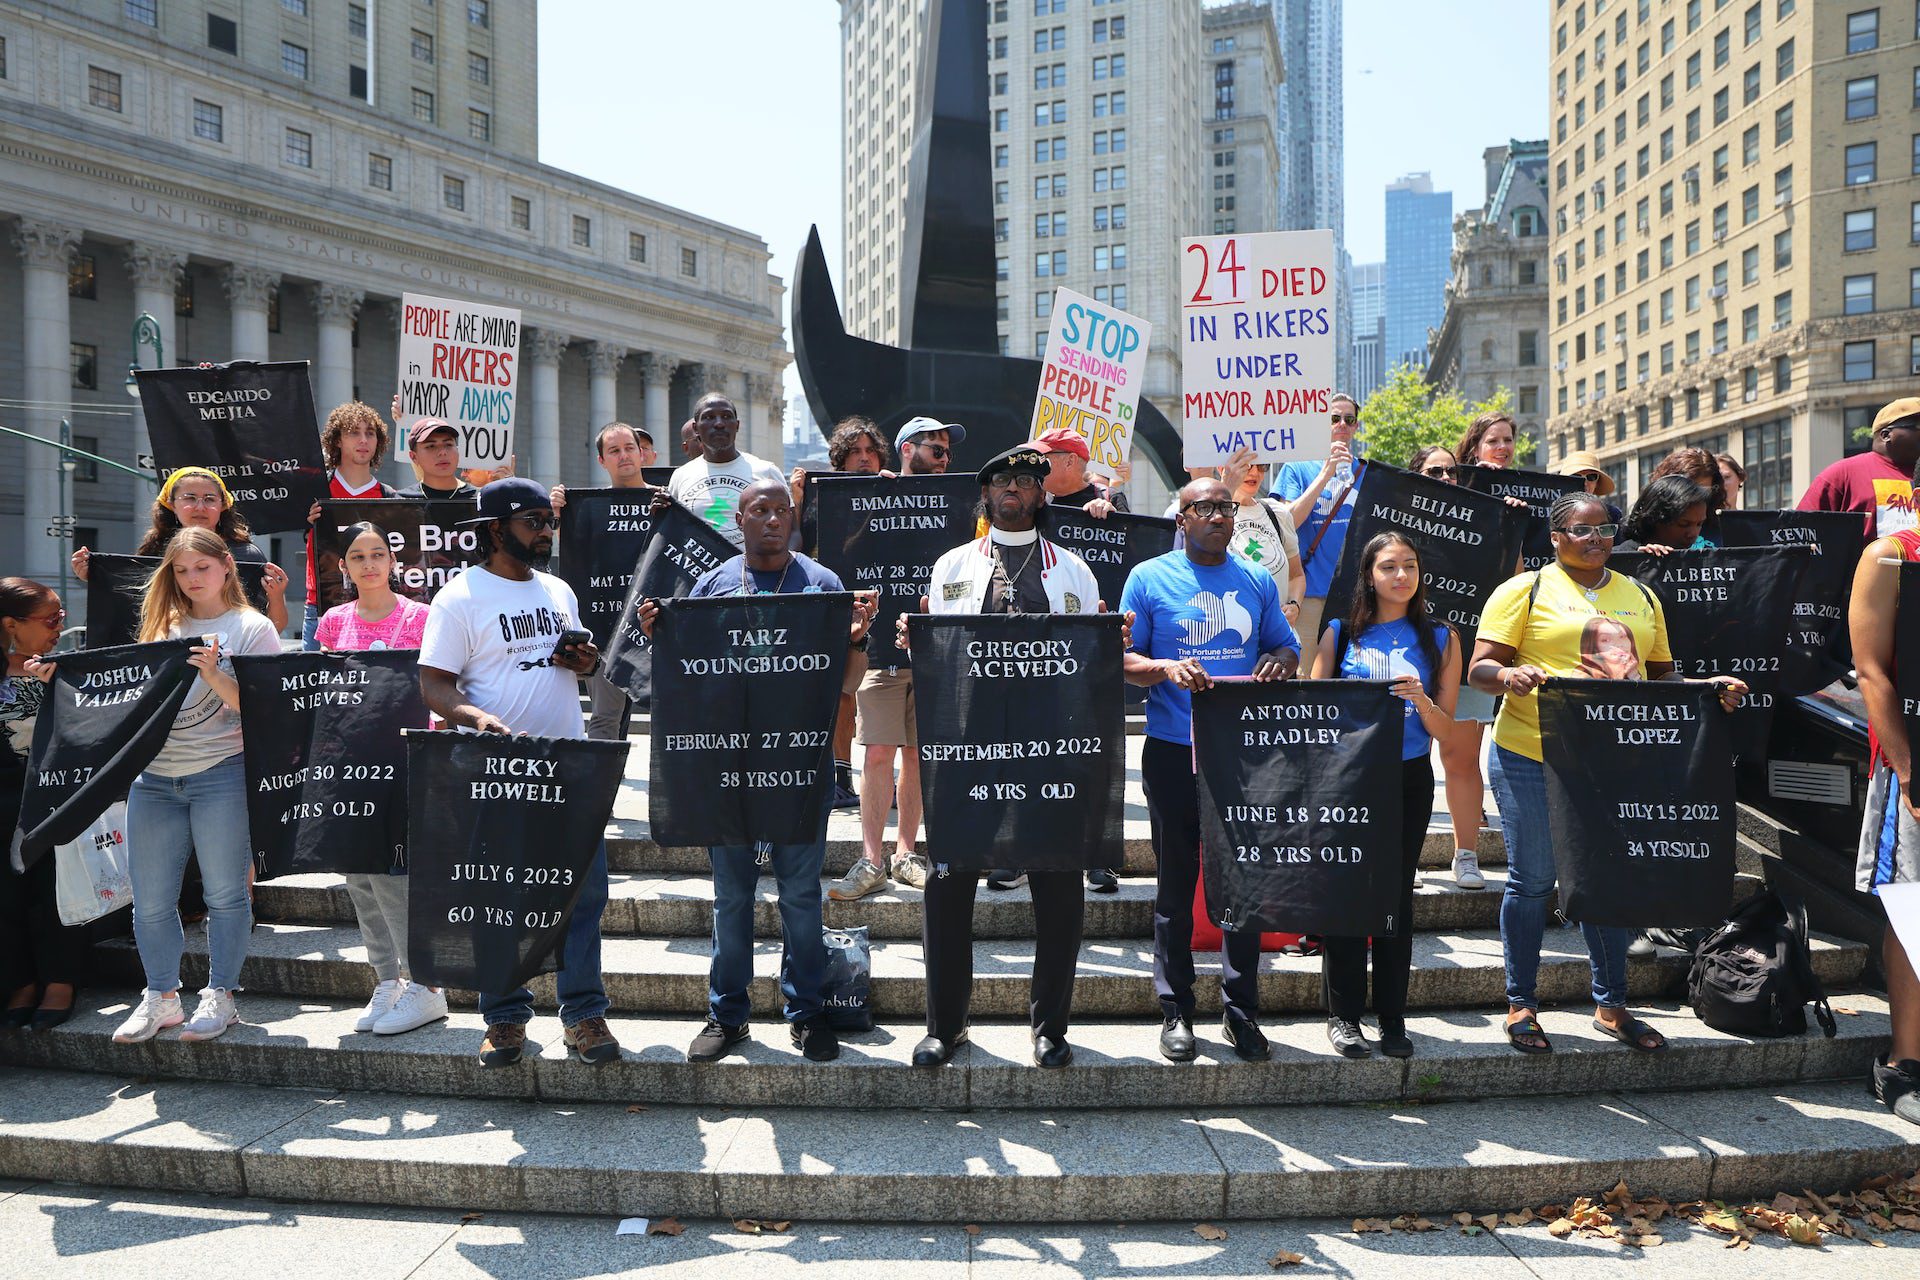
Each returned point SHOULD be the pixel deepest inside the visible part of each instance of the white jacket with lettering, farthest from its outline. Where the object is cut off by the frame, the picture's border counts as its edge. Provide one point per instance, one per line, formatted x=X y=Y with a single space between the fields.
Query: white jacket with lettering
x=960 y=578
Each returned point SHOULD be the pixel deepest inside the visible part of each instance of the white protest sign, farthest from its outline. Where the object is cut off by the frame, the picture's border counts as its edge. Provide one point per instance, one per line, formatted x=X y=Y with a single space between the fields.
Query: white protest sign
x=1256 y=345
x=1090 y=381
x=459 y=361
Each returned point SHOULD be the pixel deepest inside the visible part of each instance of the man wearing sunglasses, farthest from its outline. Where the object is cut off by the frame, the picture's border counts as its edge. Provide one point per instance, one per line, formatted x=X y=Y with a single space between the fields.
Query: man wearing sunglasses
x=1879 y=483
x=711 y=484
x=1321 y=496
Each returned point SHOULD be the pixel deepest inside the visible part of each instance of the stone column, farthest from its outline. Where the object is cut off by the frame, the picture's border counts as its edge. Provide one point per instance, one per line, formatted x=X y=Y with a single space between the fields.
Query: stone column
x=657 y=368
x=155 y=271
x=335 y=307
x=541 y=458
x=771 y=392
x=249 y=289
x=603 y=370
x=46 y=350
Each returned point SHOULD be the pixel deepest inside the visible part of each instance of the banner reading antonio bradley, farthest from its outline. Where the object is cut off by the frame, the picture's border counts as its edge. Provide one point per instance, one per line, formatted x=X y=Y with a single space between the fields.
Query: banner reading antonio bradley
x=1090 y=379
x=884 y=534
x=1300 y=805
x=116 y=585
x=678 y=551
x=1819 y=651
x=742 y=735
x=459 y=361
x=602 y=533
x=106 y=715
x=326 y=764
x=1538 y=489
x=502 y=832
x=1022 y=747
x=1640 y=801
x=429 y=543
x=251 y=424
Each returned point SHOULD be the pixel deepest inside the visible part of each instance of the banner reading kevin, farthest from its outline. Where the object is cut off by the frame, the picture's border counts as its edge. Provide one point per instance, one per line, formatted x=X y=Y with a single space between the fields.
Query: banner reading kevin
x=1090 y=377
x=460 y=361
x=1819 y=650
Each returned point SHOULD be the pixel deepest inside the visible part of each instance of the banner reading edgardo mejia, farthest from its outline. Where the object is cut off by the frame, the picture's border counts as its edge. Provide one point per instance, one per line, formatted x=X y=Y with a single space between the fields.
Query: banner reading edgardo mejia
x=251 y=423
x=460 y=361
x=1022 y=747
x=1090 y=377
x=1256 y=345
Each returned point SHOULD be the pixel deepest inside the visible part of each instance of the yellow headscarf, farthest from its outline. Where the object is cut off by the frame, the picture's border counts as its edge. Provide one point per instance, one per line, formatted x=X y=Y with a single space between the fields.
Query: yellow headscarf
x=194 y=473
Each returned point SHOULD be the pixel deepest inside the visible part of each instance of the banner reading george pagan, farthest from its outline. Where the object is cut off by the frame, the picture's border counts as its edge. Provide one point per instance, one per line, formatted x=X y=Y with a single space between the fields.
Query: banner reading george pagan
x=116 y=585
x=1538 y=489
x=502 y=834
x=1729 y=611
x=1300 y=805
x=106 y=714
x=680 y=549
x=1640 y=801
x=1022 y=746
x=1819 y=650
x=1467 y=543
x=430 y=545
x=1110 y=547
x=252 y=424
x=883 y=534
x=742 y=735
x=325 y=760
x=602 y=534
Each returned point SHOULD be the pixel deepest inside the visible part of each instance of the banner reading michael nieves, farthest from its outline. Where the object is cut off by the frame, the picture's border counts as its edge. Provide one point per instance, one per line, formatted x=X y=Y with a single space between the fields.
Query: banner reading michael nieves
x=1538 y=489
x=1300 y=805
x=1818 y=648
x=116 y=585
x=252 y=424
x=680 y=548
x=430 y=545
x=502 y=832
x=742 y=734
x=1022 y=746
x=1640 y=801
x=602 y=533
x=325 y=760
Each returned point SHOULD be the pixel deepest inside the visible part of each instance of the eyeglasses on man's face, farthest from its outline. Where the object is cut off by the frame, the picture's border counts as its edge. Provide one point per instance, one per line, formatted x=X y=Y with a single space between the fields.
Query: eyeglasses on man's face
x=1208 y=508
x=1024 y=481
x=539 y=520
x=1438 y=472
x=1351 y=419
x=1585 y=531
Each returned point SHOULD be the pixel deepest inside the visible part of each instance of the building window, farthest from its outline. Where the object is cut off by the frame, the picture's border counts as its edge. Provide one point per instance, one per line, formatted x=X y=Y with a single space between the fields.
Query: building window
x=3 y=76
x=85 y=361
x=1858 y=295
x=1863 y=97
x=1859 y=230
x=1768 y=454
x=582 y=231
x=80 y=276
x=1783 y=125
x=479 y=14
x=298 y=150
x=1782 y=309
x=293 y=59
x=479 y=125
x=298 y=8
x=1783 y=61
x=1856 y=361
x=380 y=172
x=183 y=295
x=357 y=83
x=453 y=192
x=636 y=246
x=86 y=470
x=103 y=88
x=1782 y=250
x=1042 y=303
x=1860 y=162
x=1913 y=287
x=479 y=70
x=520 y=213
x=690 y=264
x=144 y=12
x=423 y=105
x=1856 y=430
x=357 y=21
x=422 y=47
x=1782 y=374
x=209 y=121
x=223 y=34
x=1863 y=31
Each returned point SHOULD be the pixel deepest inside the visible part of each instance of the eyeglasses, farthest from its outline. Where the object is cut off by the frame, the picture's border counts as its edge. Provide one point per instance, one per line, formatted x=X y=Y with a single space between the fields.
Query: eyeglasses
x=1348 y=418
x=1441 y=473
x=197 y=500
x=1208 y=508
x=53 y=619
x=934 y=451
x=1607 y=531
x=1025 y=480
x=536 y=521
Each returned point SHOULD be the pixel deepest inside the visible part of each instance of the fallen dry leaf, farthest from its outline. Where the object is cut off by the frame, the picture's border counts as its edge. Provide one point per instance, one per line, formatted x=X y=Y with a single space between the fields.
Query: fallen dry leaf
x=1285 y=1258
x=1644 y=1240
x=1560 y=1228
x=1619 y=1194
x=1877 y=1222
x=1518 y=1218
x=1800 y=1231
x=1907 y=1221
x=973 y=1229
x=1851 y=1013
x=1361 y=1226
x=472 y=1217
x=666 y=1227
x=1207 y=1231
x=746 y=1226
x=1489 y=1221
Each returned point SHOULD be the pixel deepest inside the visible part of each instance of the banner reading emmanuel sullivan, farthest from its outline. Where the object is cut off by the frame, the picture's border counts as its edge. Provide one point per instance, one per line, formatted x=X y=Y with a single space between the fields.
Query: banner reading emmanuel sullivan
x=602 y=533
x=429 y=543
x=679 y=549
x=116 y=584
x=1819 y=650
x=884 y=534
x=252 y=424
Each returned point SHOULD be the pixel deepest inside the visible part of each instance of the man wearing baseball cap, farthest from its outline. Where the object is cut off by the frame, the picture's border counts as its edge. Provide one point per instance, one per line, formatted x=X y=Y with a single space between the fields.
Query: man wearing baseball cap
x=433 y=446
x=1877 y=484
x=926 y=444
x=1067 y=481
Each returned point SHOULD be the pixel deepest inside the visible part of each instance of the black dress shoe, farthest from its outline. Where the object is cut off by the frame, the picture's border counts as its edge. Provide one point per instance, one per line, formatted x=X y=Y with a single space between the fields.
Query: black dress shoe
x=1348 y=1041
x=1396 y=1044
x=1248 y=1041
x=934 y=1052
x=48 y=1019
x=1048 y=1052
x=18 y=1019
x=1176 y=1039
x=1103 y=880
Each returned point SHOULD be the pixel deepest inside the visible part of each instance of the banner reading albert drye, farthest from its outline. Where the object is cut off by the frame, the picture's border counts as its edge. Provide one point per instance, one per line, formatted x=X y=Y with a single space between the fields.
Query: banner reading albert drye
x=252 y=424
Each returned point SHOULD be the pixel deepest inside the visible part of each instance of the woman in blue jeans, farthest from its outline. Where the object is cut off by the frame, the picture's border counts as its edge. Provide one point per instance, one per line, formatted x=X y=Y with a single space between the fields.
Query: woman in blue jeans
x=192 y=798
x=1572 y=618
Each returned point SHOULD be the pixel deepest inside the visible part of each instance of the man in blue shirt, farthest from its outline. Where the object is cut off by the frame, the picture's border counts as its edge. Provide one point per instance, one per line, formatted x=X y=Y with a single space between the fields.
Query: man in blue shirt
x=1198 y=612
x=1321 y=495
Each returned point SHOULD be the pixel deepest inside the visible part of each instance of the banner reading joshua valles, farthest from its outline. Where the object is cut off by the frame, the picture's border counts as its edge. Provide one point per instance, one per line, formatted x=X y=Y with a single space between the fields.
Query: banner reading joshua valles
x=459 y=360
x=116 y=585
x=502 y=832
x=1096 y=358
x=884 y=534
x=252 y=424
x=742 y=735
x=325 y=760
x=602 y=533
x=429 y=543
x=680 y=548
x=1022 y=746
x=1300 y=805
x=1640 y=801
x=1819 y=650
x=1538 y=489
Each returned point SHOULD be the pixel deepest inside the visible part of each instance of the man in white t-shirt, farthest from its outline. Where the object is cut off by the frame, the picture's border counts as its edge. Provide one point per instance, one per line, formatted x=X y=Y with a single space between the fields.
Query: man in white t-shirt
x=488 y=664
x=710 y=486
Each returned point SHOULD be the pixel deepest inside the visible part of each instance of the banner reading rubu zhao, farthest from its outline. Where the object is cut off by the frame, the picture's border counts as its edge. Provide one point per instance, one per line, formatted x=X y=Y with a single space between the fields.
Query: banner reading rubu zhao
x=602 y=534
x=460 y=361
x=251 y=424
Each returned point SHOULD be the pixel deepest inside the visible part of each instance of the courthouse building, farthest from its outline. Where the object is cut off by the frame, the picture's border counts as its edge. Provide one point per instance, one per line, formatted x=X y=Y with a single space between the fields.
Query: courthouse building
x=266 y=178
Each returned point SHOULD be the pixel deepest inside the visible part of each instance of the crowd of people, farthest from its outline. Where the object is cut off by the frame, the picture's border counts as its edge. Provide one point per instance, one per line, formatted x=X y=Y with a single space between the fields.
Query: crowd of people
x=1271 y=542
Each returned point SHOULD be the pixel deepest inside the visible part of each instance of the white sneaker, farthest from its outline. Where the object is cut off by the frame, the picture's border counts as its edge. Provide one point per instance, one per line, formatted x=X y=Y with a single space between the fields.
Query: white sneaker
x=384 y=996
x=417 y=1006
x=1466 y=870
x=154 y=1014
x=212 y=1016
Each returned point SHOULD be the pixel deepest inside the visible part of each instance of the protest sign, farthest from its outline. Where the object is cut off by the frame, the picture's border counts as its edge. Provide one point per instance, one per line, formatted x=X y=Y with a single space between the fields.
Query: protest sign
x=251 y=424
x=1538 y=489
x=503 y=833
x=116 y=585
x=1906 y=649
x=602 y=533
x=1300 y=805
x=459 y=361
x=881 y=534
x=1090 y=376
x=1256 y=345
x=742 y=734
x=1819 y=651
x=681 y=548
x=1022 y=746
x=106 y=714
x=1467 y=543
x=1112 y=546
x=326 y=764
x=1640 y=801
x=430 y=545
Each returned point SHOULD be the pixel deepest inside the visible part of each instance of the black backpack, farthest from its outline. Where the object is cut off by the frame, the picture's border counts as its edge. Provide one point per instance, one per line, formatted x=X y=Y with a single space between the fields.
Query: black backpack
x=1753 y=976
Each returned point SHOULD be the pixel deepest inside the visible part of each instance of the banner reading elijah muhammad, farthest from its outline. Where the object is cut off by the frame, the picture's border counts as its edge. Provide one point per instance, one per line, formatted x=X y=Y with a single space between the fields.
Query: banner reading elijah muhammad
x=252 y=424
x=884 y=534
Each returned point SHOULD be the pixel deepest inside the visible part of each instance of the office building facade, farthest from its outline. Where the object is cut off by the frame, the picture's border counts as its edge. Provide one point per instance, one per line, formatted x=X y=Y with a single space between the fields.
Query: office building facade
x=1419 y=251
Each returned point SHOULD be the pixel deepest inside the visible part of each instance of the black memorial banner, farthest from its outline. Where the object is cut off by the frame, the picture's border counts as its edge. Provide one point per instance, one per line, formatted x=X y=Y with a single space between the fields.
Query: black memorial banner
x=1538 y=489
x=1729 y=612
x=1467 y=543
x=1640 y=801
x=883 y=534
x=1110 y=547
x=326 y=764
x=116 y=584
x=1819 y=650
x=1300 y=805
x=657 y=477
x=808 y=516
x=1022 y=747
x=430 y=545
x=1906 y=649
x=742 y=734
x=252 y=424
x=602 y=533
x=502 y=833
x=106 y=715
x=681 y=548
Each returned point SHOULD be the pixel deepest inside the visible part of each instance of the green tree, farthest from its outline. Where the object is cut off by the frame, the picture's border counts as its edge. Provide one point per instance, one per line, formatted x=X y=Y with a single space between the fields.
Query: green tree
x=1404 y=414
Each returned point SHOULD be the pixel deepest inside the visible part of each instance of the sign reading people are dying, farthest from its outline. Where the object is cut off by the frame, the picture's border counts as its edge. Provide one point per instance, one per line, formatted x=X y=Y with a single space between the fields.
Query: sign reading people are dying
x=251 y=424
x=1256 y=345
x=1090 y=377
x=459 y=361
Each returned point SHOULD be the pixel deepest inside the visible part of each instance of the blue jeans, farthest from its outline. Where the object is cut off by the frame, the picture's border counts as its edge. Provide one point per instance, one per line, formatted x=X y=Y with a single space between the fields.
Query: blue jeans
x=309 y=628
x=203 y=815
x=803 y=955
x=1520 y=789
x=582 y=993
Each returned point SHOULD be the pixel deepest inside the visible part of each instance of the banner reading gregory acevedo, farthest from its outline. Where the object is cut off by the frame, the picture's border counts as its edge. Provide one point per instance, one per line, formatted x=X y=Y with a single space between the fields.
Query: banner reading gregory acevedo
x=117 y=583
x=430 y=545
x=742 y=733
x=1818 y=648
x=251 y=423
x=883 y=534
x=1538 y=489
x=1640 y=801
x=325 y=760
x=1300 y=805
x=1022 y=746
x=680 y=548
x=502 y=833
x=602 y=533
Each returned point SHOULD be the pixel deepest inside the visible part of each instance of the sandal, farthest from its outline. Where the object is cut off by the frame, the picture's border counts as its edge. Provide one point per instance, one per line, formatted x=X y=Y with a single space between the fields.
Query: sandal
x=1632 y=1034
x=1528 y=1026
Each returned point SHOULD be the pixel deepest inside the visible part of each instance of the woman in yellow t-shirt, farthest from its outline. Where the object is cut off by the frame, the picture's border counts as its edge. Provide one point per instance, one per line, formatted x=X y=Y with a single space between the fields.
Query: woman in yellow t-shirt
x=1578 y=618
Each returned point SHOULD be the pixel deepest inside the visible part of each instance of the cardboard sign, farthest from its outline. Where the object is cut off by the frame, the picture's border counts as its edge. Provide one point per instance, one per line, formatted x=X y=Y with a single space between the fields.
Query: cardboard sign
x=459 y=360
x=251 y=424
x=1090 y=377
x=429 y=543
